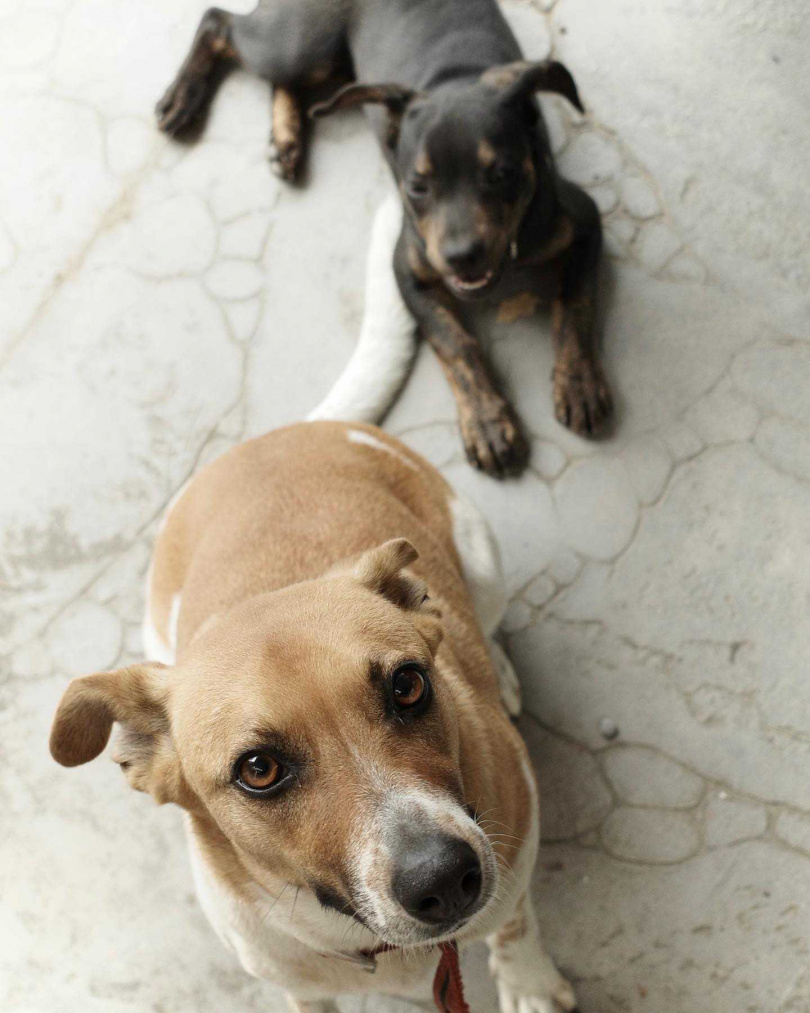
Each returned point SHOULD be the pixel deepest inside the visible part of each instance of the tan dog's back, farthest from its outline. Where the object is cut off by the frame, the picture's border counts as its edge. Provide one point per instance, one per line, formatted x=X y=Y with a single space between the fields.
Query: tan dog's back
x=288 y=505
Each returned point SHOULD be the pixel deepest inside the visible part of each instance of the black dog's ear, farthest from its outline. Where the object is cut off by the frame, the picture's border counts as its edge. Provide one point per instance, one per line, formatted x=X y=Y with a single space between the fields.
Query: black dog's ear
x=520 y=79
x=394 y=97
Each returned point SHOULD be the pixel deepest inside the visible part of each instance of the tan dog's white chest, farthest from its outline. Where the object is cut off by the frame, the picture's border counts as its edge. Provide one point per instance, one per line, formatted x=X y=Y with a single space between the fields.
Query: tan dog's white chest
x=287 y=938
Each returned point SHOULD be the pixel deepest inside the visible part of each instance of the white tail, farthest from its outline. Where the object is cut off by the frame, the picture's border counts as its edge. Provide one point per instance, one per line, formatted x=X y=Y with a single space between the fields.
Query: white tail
x=377 y=370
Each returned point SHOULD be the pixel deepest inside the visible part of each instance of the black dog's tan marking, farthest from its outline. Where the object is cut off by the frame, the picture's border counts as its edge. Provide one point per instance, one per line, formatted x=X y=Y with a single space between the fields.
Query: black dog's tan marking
x=289 y=134
x=486 y=212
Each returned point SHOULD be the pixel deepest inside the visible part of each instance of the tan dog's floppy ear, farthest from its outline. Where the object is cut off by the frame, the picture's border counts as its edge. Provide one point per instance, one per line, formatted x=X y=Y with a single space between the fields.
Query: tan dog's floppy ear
x=394 y=97
x=134 y=697
x=522 y=78
x=382 y=571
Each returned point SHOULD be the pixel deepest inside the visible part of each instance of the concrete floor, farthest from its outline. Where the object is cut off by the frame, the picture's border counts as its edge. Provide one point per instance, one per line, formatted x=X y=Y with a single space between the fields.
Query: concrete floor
x=160 y=303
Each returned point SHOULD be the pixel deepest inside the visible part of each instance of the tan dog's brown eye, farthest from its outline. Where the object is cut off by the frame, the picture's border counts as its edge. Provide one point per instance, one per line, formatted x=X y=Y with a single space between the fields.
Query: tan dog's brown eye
x=410 y=687
x=259 y=771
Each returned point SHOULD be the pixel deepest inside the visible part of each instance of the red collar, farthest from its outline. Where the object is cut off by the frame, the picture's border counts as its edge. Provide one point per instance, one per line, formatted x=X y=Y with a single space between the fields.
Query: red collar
x=448 y=989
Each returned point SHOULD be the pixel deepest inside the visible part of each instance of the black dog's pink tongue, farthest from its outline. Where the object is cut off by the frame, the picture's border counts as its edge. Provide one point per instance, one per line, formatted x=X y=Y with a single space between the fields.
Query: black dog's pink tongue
x=448 y=991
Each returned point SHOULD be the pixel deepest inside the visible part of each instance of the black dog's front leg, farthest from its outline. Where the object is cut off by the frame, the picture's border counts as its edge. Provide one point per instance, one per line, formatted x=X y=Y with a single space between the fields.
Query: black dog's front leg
x=490 y=428
x=582 y=399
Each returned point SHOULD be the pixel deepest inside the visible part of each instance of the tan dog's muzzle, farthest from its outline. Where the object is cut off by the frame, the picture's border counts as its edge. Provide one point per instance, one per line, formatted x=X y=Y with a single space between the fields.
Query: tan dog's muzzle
x=425 y=869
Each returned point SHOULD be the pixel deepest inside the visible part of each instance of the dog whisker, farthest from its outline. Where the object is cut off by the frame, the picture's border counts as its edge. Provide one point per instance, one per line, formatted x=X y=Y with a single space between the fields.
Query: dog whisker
x=272 y=906
x=295 y=901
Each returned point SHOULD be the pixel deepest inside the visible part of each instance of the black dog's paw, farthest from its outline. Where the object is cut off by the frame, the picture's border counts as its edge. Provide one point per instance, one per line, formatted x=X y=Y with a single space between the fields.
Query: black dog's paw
x=285 y=159
x=582 y=399
x=183 y=104
x=494 y=441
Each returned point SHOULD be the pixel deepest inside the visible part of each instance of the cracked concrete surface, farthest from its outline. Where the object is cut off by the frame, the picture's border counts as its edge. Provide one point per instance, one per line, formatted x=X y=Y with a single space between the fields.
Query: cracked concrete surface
x=161 y=302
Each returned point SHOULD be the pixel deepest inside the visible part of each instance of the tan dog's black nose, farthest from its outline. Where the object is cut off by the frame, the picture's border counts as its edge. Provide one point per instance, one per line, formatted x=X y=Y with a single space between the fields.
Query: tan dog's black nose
x=438 y=880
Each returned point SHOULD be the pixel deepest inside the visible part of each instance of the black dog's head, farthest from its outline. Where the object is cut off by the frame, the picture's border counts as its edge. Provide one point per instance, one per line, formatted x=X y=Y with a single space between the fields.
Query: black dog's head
x=470 y=158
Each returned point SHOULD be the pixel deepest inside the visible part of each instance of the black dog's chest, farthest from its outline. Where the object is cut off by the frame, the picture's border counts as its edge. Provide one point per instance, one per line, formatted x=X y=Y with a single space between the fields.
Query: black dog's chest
x=532 y=280
x=518 y=294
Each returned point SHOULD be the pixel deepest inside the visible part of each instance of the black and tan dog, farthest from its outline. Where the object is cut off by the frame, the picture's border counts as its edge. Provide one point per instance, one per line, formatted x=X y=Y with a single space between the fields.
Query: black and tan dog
x=486 y=213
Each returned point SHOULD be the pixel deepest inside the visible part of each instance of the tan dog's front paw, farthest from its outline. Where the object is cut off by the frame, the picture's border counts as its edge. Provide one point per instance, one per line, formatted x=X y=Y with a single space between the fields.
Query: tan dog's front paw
x=582 y=399
x=525 y=975
x=515 y=998
x=494 y=441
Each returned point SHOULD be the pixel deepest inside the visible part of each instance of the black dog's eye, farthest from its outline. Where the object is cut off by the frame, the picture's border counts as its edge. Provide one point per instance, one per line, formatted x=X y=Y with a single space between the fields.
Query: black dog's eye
x=259 y=772
x=410 y=687
x=418 y=186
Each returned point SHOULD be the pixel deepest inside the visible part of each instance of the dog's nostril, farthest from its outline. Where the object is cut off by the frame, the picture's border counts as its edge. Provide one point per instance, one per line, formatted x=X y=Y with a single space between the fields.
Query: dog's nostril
x=471 y=883
x=429 y=904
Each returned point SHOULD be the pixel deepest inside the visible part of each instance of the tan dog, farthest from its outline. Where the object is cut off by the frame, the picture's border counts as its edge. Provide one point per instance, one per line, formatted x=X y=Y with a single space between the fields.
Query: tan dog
x=331 y=722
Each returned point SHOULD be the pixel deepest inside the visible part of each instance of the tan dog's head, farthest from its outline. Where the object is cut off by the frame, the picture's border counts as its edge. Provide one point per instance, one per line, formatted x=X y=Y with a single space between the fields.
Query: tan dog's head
x=314 y=728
